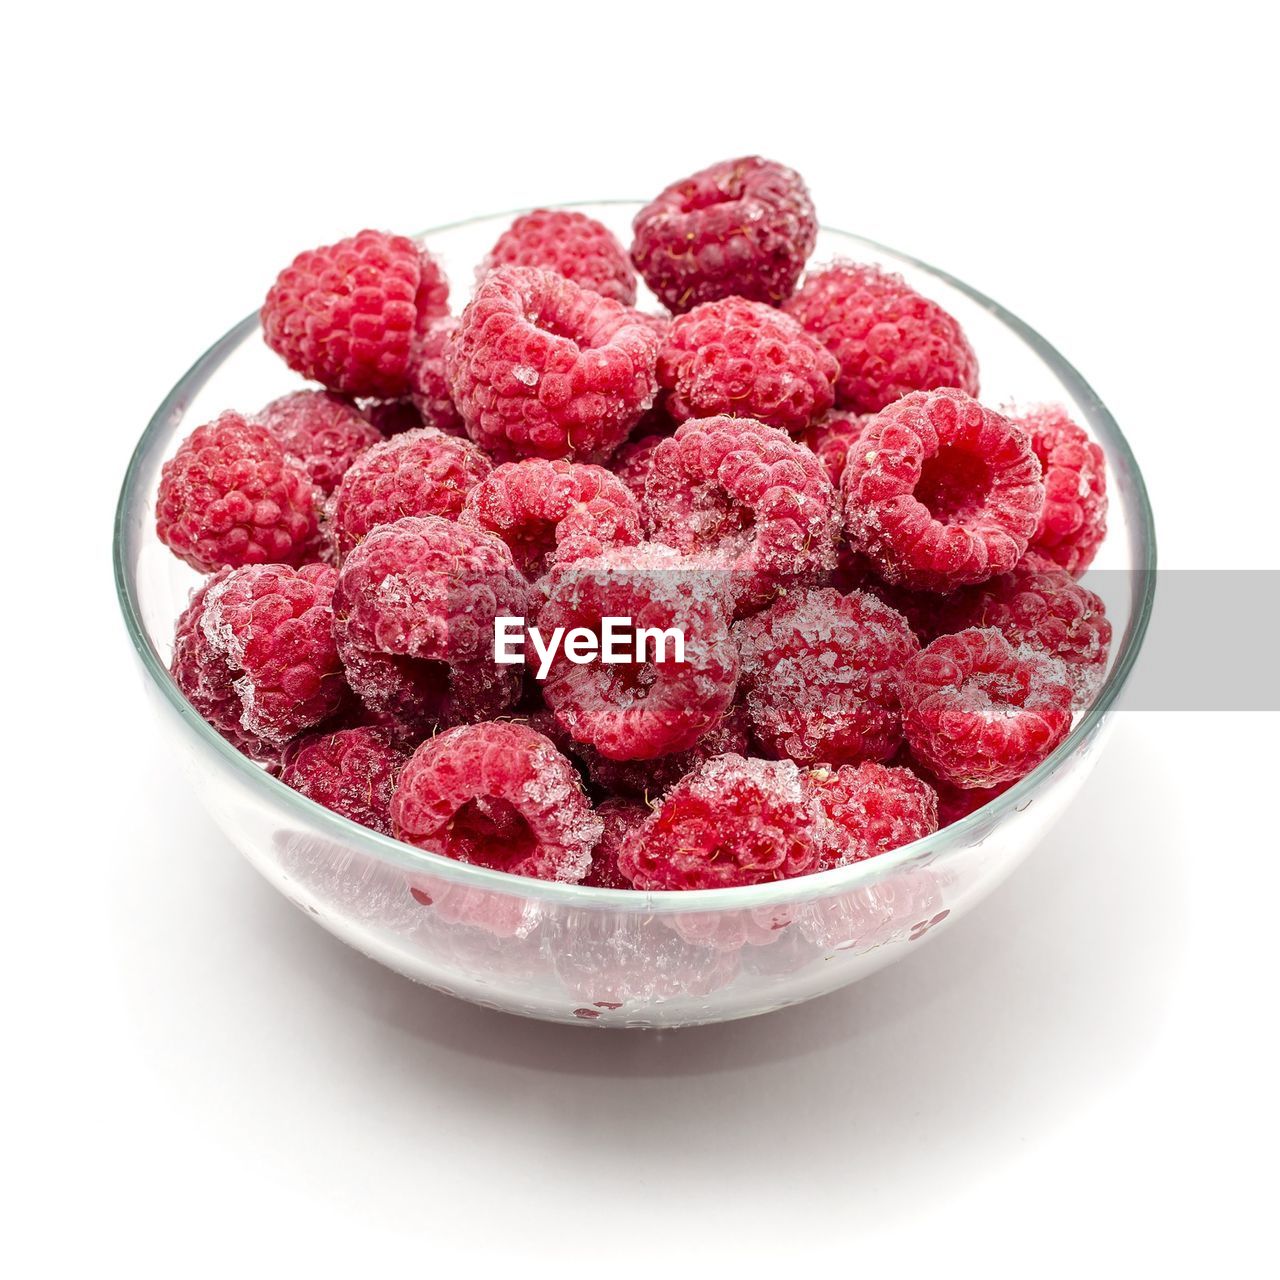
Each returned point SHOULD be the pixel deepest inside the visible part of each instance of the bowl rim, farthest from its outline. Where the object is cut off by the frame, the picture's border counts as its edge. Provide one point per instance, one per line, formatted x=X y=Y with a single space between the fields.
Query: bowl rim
x=930 y=849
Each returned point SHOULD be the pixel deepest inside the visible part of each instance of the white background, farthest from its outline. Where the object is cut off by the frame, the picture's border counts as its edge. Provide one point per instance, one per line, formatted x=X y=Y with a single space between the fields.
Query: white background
x=1080 y=1076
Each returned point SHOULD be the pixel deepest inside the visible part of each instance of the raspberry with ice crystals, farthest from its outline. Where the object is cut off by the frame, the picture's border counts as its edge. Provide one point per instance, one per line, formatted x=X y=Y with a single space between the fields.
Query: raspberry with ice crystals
x=578 y=247
x=872 y=809
x=351 y=771
x=320 y=432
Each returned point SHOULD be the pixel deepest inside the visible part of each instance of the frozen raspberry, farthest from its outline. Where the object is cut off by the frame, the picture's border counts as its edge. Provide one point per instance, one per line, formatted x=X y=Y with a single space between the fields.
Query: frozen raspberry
x=351 y=771
x=1041 y=606
x=745 y=359
x=629 y=710
x=563 y=240
x=345 y=315
x=887 y=339
x=941 y=492
x=820 y=676
x=497 y=795
x=955 y=802
x=732 y=821
x=428 y=385
x=632 y=462
x=391 y=417
x=732 y=930
x=872 y=809
x=540 y=367
x=831 y=438
x=417 y=473
x=978 y=712
x=902 y=908
x=1073 y=522
x=414 y=613
x=229 y=497
x=319 y=432
x=740 y=227
x=553 y=512
x=619 y=817
x=746 y=499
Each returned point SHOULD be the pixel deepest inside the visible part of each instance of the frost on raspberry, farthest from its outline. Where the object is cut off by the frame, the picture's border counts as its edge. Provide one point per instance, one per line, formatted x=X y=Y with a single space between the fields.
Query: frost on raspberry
x=977 y=712
x=887 y=339
x=871 y=808
x=743 y=226
x=747 y=500
x=428 y=385
x=831 y=438
x=320 y=432
x=732 y=821
x=414 y=622
x=748 y=360
x=229 y=497
x=820 y=676
x=618 y=816
x=351 y=771
x=631 y=710
x=553 y=512
x=540 y=367
x=497 y=795
x=570 y=243
x=345 y=315
x=941 y=492
x=632 y=462
x=417 y=473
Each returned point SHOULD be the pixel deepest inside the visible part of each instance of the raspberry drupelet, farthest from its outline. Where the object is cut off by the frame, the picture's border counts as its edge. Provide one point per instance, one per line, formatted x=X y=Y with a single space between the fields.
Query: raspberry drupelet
x=831 y=438
x=977 y=712
x=497 y=795
x=428 y=384
x=872 y=809
x=820 y=676
x=414 y=617
x=632 y=462
x=540 y=367
x=320 y=432
x=351 y=771
x=619 y=817
x=743 y=227
x=229 y=497
x=886 y=338
x=941 y=492
x=572 y=244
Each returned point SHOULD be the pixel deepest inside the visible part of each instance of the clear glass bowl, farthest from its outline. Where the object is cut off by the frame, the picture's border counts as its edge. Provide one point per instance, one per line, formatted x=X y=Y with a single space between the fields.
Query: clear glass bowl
x=605 y=957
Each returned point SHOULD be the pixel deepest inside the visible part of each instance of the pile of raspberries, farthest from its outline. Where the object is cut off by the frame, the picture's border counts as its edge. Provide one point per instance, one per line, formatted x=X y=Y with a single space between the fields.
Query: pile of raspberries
x=876 y=574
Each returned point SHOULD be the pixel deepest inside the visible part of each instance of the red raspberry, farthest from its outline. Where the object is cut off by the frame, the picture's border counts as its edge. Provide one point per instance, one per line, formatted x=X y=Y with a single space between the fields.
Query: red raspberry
x=540 y=367
x=632 y=462
x=955 y=802
x=319 y=432
x=497 y=795
x=414 y=612
x=345 y=315
x=887 y=339
x=732 y=821
x=553 y=512
x=619 y=818
x=745 y=359
x=978 y=712
x=872 y=809
x=428 y=385
x=351 y=771
x=417 y=473
x=1040 y=606
x=941 y=492
x=393 y=417
x=740 y=227
x=831 y=438
x=820 y=676
x=745 y=498
x=228 y=497
x=631 y=711
x=1073 y=522
x=563 y=240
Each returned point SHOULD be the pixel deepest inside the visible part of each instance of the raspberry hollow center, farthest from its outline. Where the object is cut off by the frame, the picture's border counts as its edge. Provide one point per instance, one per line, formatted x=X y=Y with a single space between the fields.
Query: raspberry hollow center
x=491 y=832
x=954 y=485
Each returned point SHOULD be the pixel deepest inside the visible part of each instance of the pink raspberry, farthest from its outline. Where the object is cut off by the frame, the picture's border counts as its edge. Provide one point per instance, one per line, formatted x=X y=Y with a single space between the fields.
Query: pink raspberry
x=742 y=227
x=319 y=432
x=540 y=367
x=820 y=676
x=497 y=795
x=563 y=240
x=1040 y=606
x=632 y=462
x=229 y=497
x=417 y=473
x=732 y=821
x=831 y=438
x=629 y=710
x=977 y=712
x=553 y=512
x=872 y=809
x=748 y=360
x=345 y=314
x=941 y=492
x=619 y=817
x=428 y=384
x=414 y=622
x=1073 y=521
x=746 y=499
x=955 y=802
x=351 y=771
x=888 y=340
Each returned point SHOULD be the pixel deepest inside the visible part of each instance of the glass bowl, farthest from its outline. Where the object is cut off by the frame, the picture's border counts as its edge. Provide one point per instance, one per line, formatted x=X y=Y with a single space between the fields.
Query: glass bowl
x=607 y=957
